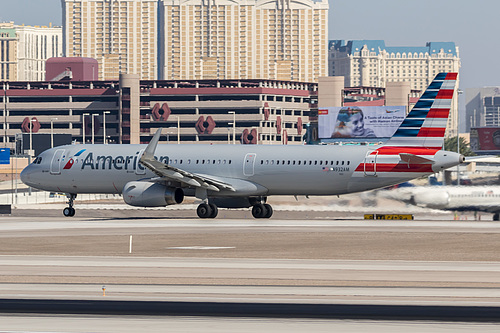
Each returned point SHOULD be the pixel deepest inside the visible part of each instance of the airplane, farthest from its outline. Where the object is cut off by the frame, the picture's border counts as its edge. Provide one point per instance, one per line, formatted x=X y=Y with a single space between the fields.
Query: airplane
x=454 y=198
x=244 y=176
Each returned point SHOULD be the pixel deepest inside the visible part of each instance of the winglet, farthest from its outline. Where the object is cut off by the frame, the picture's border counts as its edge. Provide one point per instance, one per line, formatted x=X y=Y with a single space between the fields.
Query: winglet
x=151 y=148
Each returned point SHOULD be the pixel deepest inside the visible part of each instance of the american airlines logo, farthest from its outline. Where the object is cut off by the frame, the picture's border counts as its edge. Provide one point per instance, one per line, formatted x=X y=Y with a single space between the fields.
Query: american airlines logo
x=108 y=162
x=72 y=161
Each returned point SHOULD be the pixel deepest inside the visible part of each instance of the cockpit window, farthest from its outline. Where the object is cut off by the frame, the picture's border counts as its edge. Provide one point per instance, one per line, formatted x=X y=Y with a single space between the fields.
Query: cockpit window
x=37 y=160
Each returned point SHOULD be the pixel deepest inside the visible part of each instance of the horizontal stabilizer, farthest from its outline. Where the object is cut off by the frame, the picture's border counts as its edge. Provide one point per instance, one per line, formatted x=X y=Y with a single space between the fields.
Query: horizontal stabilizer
x=414 y=159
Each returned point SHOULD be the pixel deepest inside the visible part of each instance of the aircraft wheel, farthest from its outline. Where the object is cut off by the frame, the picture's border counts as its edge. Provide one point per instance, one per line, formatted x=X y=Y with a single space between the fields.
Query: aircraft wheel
x=259 y=211
x=69 y=211
x=269 y=211
x=496 y=217
x=215 y=211
x=204 y=211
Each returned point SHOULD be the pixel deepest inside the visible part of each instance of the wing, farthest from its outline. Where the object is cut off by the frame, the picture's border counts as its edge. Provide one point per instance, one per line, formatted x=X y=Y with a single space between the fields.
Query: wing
x=167 y=172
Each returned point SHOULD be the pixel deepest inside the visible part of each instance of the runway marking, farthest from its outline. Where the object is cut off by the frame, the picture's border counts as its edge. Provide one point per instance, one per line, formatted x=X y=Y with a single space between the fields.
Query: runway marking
x=200 y=247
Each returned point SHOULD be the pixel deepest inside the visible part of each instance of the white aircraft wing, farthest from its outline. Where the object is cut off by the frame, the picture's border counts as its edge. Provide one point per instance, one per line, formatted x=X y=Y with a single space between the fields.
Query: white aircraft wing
x=168 y=172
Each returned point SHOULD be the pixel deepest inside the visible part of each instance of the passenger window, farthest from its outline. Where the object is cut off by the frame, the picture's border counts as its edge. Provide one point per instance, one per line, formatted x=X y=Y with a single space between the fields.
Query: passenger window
x=261 y=161
x=337 y=162
x=229 y=161
x=348 y=162
x=293 y=162
x=342 y=162
x=298 y=162
x=315 y=162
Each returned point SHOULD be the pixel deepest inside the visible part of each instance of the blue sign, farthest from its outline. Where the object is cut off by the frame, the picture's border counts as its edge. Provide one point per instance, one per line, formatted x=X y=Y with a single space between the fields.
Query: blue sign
x=4 y=155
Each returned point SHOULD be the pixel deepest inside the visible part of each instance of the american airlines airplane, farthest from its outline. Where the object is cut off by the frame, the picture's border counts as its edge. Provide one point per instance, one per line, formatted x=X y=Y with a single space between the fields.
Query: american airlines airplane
x=243 y=176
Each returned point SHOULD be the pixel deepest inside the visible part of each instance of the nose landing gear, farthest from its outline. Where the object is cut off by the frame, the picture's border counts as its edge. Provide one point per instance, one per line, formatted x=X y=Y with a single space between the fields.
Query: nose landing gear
x=69 y=211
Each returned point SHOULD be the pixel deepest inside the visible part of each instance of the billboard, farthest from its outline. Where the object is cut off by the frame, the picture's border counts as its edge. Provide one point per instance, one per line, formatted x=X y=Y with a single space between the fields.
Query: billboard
x=359 y=122
x=485 y=140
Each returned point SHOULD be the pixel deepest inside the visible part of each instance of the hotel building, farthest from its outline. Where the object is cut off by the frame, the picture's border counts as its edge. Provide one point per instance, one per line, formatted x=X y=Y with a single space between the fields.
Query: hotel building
x=273 y=40
x=120 y=34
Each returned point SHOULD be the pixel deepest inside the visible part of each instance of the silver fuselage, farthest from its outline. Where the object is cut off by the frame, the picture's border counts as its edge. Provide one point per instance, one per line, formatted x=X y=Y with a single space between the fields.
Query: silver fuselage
x=274 y=169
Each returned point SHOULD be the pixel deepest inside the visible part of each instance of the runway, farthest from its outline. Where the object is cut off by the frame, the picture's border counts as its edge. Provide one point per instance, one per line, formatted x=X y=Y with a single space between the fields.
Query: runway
x=350 y=268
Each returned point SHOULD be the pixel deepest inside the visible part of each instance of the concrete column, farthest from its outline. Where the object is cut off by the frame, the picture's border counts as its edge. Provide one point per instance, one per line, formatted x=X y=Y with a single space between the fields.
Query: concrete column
x=397 y=93
x=330 y=90
x=132 y=82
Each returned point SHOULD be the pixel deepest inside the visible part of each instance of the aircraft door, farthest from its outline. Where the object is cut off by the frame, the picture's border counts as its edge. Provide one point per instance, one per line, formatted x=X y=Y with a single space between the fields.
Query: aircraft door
x=248 y=164
x=370 y=165
x=55 y=164
x=139 y=168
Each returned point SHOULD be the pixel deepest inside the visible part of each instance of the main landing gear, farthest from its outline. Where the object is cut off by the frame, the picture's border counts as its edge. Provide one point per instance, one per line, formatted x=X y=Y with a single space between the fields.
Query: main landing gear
x=262 y=211
x=70 y=211
x=207 y=211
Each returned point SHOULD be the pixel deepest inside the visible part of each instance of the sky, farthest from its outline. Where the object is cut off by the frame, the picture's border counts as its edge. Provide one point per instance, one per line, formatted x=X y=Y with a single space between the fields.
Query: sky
x=472 y=25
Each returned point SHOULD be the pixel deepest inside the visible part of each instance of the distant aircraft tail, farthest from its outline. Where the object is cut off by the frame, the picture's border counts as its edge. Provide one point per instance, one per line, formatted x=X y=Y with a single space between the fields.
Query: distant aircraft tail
x=425 y=125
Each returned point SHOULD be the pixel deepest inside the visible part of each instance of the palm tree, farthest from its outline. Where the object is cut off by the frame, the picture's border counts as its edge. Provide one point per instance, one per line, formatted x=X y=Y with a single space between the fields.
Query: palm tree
x=450 y=144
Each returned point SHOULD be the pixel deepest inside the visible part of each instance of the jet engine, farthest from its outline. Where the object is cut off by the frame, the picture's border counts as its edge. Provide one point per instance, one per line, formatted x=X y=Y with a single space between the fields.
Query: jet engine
x=432 y=199
x=149 y=194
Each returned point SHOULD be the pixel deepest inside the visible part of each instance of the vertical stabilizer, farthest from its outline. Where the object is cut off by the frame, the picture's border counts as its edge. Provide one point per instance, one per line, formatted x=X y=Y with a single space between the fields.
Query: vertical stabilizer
x=425 y=125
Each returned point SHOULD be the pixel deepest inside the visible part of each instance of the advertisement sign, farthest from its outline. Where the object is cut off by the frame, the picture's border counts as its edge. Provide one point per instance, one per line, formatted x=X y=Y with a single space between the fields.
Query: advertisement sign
x=359 y=122
x=485 y=139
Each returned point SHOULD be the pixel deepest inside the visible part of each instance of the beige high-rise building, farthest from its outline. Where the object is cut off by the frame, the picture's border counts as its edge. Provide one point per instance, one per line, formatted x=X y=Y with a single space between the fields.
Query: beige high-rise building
x=24 y=50
x=244 y=39
x=36 y=45
x=120 y=34
x=8 y=52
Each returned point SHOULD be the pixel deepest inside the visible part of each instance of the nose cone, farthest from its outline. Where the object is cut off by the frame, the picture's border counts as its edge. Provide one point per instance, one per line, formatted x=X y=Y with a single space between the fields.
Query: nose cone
x=26 y=175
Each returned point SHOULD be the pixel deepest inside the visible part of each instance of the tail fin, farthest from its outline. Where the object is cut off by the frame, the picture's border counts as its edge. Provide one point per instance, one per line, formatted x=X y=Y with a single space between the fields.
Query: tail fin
x=425 y=125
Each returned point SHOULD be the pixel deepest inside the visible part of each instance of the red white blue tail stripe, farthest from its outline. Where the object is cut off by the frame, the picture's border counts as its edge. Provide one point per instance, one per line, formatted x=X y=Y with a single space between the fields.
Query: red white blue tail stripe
x=414 y=147
x=425 y=125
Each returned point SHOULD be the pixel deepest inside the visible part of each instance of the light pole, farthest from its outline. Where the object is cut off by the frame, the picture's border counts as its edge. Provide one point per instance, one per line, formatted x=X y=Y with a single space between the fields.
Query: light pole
x=31 y=147
x=178 y=130
x=83 y=126
x=169 y=131
x=31 y=140
x=104 y=125
x=234 y=125
x=52 y=132
x=93 y=115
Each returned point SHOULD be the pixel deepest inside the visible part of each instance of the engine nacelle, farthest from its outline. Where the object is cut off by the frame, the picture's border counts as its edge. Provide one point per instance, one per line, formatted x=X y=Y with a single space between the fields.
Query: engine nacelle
x=149 y=194
x=432 y=199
